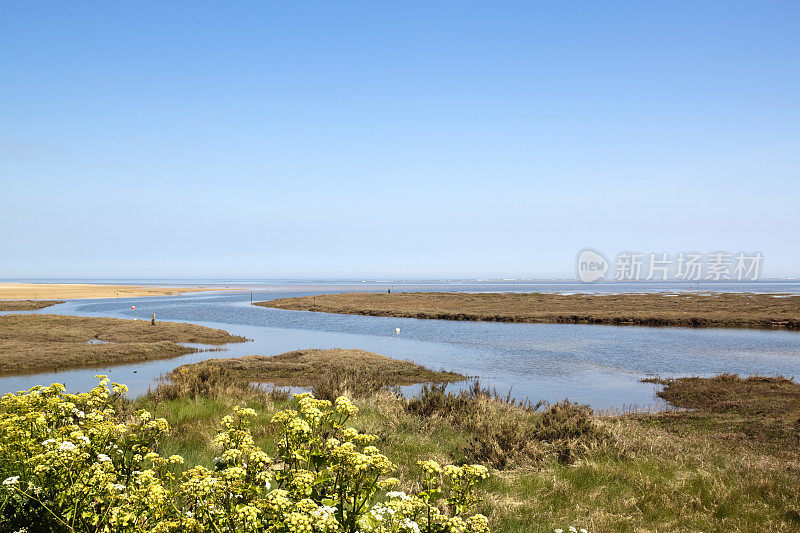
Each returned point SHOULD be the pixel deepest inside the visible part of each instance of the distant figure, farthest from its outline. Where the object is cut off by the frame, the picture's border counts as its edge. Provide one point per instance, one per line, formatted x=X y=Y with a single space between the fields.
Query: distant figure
x=153 y=320
x=388 y=291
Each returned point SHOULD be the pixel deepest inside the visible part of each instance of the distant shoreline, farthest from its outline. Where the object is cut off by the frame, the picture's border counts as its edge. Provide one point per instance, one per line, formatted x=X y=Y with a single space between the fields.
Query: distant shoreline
x=73 y=291
x=719 y=310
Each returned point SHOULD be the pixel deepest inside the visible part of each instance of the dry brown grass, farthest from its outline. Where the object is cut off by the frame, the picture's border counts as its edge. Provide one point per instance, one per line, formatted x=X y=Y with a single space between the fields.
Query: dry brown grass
x=329 y=372
x=754 y=411
x=731 y=310
x=26 y=305
x=505 y=433
x=39 y=343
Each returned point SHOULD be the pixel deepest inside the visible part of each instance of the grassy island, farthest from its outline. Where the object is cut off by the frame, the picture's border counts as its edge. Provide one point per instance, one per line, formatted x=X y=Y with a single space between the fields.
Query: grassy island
x=304 y=368
x=41 y=343
x=726 y=310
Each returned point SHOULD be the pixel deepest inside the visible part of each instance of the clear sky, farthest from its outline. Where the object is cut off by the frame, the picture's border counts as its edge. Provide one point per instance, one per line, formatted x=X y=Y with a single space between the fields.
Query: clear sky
x=405 y=139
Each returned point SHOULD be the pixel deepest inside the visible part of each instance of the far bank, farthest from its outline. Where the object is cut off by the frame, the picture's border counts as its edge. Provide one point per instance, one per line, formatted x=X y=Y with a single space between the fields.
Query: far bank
x=724 y=310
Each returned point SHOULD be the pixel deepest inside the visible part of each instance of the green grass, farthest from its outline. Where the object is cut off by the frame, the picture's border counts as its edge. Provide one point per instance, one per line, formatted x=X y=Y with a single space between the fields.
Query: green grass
x=664 y=472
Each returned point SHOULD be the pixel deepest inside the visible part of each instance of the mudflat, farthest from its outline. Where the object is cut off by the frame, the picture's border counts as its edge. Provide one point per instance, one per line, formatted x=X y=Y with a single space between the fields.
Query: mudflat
x=69 y=291
x=43 y=343
x=726 y=310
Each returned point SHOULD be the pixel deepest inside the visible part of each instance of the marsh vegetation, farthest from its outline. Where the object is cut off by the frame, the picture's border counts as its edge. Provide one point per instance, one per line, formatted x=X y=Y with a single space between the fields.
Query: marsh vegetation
x=39 y=343
x=329 y=373
x=729 y=310
x=731 y=462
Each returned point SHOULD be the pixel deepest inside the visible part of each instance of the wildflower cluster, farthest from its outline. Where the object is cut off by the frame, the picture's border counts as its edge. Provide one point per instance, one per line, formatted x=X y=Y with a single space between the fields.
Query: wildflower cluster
x=70 y=462
x=443 y=505
x=68 y=459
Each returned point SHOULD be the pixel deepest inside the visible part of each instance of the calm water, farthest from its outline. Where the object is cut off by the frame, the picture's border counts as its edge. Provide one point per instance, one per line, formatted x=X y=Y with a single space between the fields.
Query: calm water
x=598 y=365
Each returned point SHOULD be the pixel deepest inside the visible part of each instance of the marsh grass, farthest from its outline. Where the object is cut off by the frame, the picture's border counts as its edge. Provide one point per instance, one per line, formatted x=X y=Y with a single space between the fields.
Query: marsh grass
x=754 y=411
x=739 y=310
x=212 y=381
x=40 y=343
x=504 y=433
x=630 y=473
x=26 y=305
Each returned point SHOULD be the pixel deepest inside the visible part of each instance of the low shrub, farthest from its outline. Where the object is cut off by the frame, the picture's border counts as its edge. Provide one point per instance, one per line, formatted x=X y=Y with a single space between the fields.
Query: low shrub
x=348 y=382
x=505 y=433
x=567 y=421
x=435 y=400
x=70 y=462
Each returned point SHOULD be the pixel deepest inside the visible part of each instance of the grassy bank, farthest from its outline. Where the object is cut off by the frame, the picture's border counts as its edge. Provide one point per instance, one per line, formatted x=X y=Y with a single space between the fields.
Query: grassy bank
x=26 y=305
x=39 y=343
x=761 y=411
x=708 y=469
x=729 y=310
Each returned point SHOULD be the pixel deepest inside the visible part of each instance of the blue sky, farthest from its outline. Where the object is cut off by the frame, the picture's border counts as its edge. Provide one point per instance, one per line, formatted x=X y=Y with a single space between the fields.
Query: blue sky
x=369 y=140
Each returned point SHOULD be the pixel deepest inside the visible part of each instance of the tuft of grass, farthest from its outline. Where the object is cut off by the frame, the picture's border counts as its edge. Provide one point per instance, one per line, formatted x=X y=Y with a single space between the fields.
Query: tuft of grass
x=40 y=343
x=729 y=310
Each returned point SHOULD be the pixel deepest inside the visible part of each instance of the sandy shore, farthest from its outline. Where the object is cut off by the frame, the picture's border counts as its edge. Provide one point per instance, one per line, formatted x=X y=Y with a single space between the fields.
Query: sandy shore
x=69 y=291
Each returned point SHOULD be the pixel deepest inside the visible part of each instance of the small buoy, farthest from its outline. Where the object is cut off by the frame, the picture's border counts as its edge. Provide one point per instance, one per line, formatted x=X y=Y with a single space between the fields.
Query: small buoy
x=397 y=331
x=133 y=307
